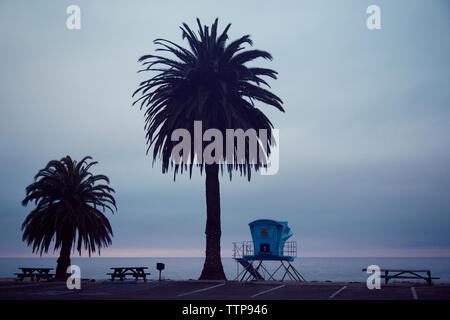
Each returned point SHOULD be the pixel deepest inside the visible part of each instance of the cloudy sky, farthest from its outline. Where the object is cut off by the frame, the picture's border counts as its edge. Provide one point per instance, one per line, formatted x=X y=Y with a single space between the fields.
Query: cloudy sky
x=364 y=142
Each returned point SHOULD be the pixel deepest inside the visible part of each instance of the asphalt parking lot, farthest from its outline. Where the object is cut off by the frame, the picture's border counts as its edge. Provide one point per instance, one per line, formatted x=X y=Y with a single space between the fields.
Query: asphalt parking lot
x=210 y=290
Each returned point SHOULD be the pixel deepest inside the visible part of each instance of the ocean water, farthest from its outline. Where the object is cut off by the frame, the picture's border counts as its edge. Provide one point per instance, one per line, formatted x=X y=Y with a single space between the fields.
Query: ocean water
x=312 y=269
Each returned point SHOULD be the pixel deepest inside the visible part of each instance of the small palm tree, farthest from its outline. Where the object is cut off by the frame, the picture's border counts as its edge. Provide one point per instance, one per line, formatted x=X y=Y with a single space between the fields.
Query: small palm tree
x=210 y=83
x=68 y=200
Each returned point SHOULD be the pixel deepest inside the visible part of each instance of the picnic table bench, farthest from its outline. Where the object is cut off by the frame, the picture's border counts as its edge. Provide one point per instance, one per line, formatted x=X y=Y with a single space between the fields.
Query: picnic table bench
x=35 y=273
x=123 y=272
x=406 y=274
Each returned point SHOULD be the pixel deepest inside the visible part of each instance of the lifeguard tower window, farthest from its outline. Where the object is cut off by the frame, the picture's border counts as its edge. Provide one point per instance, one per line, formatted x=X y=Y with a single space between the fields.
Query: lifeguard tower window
x=264 y=248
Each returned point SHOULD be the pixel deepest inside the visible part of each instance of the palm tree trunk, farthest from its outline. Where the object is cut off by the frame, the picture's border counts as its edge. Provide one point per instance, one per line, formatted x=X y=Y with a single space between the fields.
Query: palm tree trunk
x=212 y=269
x=63 y=261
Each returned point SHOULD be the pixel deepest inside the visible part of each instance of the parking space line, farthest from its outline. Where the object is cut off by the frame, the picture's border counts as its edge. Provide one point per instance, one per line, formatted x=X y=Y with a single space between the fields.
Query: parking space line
x=200 y=290
x=265 y=291
x=337 y=292
x=414 y=293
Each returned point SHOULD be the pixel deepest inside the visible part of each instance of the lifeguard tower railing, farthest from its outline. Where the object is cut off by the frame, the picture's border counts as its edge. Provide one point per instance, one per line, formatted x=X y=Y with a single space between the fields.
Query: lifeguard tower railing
x=253 y=267
x=246 y=248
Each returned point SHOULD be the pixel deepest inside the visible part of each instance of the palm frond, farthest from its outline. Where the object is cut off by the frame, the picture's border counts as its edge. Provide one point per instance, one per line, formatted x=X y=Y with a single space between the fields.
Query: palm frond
x=210 y=82
x=68 y=200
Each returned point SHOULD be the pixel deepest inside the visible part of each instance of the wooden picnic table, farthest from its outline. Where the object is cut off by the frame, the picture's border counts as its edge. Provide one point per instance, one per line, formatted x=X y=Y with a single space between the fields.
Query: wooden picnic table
x=406 y=274
x=123 y=272
x=35 y=273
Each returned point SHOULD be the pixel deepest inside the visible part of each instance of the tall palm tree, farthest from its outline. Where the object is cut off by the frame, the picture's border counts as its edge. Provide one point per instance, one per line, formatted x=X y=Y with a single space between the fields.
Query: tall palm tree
x=68 y=200
x=210 y=83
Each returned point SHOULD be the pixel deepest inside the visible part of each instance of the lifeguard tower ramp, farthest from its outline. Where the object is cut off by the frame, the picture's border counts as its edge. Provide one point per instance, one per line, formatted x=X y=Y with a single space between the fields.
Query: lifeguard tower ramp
x=269 y=244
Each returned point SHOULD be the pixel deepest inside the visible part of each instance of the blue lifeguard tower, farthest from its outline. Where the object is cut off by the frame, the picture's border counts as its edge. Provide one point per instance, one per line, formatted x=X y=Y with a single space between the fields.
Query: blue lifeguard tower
x=269 y=244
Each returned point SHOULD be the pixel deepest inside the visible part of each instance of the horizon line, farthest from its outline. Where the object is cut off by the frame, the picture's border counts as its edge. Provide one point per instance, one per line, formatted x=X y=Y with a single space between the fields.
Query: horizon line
x=183 y=257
